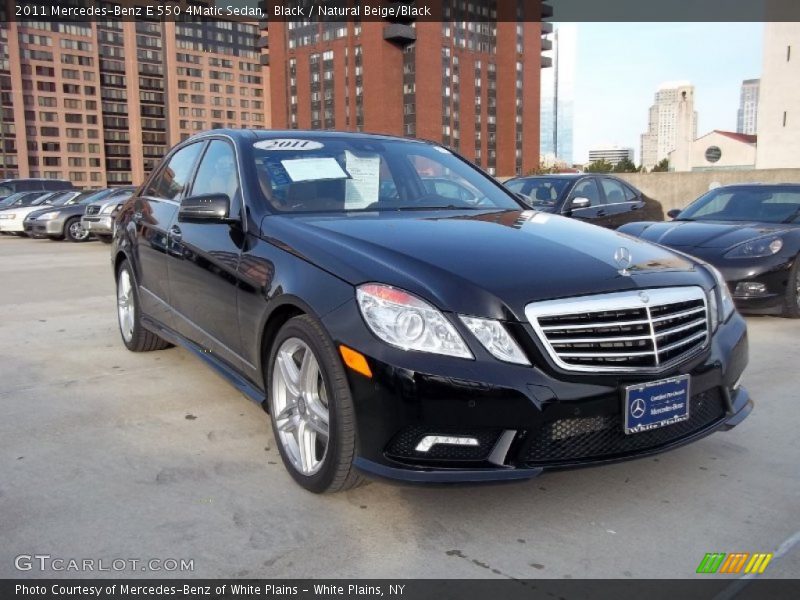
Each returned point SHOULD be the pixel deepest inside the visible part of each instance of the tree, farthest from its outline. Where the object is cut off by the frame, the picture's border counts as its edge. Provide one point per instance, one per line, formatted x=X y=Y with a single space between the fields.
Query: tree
x=625 y=166
x=546 y=169
x=662 y=166
x=599 y=166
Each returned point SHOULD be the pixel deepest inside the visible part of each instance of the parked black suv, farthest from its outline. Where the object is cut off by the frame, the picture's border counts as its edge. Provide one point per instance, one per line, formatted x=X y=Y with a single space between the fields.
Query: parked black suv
x=397 y=331
x=12 y=186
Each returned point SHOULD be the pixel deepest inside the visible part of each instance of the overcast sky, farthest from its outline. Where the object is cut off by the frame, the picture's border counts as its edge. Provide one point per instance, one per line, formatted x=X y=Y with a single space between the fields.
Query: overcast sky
x=620 y=65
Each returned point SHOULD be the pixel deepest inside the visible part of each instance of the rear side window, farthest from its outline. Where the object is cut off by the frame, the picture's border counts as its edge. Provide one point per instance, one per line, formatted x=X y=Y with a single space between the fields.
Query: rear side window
x=614 y=190
x=173 y=179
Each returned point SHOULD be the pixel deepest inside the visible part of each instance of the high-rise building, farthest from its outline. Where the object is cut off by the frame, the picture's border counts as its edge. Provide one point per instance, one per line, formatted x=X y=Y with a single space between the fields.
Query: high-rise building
x=470 y=81
x=612 y=154
x=558 y=93
x=779 y=98
x=101 y=102
x=672 y=123
x=747 y=115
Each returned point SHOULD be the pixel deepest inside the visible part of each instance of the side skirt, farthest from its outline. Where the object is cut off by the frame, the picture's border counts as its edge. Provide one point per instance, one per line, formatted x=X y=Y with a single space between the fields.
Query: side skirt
x=239 y=382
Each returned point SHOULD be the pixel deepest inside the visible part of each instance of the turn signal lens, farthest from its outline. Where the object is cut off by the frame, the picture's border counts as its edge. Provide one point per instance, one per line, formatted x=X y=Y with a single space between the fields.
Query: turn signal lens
x=355 y=361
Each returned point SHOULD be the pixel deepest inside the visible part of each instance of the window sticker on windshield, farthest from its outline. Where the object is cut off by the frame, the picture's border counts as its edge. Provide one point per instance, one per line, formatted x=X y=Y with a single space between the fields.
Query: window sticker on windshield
x=364 y=185
x=288 y=144
x=313 y=169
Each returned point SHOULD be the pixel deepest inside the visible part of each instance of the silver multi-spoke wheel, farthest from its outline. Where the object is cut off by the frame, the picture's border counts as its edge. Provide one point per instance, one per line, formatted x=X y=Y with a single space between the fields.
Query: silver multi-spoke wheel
x=77 y=232
x=125 y=305
x=797 y=288
x=300 y=406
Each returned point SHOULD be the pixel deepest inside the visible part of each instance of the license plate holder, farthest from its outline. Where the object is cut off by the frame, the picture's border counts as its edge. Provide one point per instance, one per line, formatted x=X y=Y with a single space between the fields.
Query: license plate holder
x=656 y=404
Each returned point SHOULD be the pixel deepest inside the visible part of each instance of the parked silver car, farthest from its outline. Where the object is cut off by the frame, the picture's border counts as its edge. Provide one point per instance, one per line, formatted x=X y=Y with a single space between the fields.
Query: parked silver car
x=99 y=216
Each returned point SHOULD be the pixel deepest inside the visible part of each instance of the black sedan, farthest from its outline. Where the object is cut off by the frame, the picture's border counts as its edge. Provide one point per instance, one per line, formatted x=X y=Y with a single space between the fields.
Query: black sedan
x=751 y=233
x=395 y=331
x=598 y=199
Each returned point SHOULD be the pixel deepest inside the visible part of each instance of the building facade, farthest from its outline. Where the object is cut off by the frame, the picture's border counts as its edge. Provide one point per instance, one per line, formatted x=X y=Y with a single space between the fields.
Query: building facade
x=747 y=115
x=719 y=151
x=779 y=99
x=470 y=81
x=558 y=94
x=99 y=103
x=612 y=154
x=672 y=123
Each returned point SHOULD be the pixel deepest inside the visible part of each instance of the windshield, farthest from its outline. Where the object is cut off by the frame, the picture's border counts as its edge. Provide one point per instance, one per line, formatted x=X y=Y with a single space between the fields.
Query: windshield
x=88 y=197
x=362 y=174
x=43 y=199
x=540 y=191
x=21 y=199
x=765 y=204
x=6 y=190
x=62 y=199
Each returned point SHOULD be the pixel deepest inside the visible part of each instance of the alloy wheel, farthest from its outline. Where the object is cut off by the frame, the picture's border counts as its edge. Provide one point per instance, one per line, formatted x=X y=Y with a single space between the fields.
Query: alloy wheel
x=77 y=232
x=125 y=305
x=300 y=406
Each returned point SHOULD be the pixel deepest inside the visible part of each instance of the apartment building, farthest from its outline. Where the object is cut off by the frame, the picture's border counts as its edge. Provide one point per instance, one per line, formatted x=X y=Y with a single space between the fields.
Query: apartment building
x=470 y=81
x=101 y=102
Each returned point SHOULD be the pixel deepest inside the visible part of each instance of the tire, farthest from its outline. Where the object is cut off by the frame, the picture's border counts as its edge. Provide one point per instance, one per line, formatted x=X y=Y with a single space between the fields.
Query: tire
x=291 y=421
x=55 y=238
x=106 y=239
x=74 y=231
x=791 y=305
x=135 y=337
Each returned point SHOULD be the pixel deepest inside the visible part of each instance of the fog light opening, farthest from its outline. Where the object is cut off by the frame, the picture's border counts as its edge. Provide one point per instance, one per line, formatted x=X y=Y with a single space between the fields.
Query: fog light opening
x=750 y=288
x=429 y=441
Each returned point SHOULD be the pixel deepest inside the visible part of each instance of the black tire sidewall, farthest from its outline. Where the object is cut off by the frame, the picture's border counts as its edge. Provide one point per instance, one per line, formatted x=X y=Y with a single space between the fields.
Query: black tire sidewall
x=67 y=233
x=791 y=308
x=338 y=400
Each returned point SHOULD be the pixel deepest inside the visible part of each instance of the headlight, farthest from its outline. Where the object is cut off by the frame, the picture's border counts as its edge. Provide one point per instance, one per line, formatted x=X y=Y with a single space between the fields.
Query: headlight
x=766 y=246
x=8 y=216
x=495 y=339
x=720 y=299
x=109 y=208
x=403 y=320
x=48 y=216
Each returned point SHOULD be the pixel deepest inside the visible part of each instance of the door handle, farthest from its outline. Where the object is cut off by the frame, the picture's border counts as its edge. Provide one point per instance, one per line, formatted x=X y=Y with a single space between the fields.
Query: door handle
x=601 y=213
x=175 y=233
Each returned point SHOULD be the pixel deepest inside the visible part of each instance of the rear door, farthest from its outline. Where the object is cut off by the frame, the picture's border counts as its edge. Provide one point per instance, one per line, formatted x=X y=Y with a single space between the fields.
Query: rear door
x=154 y=212
x=621 y=207
x=203 y=260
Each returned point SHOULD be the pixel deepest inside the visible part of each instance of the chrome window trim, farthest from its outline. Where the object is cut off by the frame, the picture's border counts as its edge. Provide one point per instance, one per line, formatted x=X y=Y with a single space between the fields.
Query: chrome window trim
x=628 y=300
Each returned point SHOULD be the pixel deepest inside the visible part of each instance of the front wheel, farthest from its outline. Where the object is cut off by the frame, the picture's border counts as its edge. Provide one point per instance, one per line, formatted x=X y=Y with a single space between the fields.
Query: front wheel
x=135 y=337
x=74 y=231
x=311 y=408
x=791 y=307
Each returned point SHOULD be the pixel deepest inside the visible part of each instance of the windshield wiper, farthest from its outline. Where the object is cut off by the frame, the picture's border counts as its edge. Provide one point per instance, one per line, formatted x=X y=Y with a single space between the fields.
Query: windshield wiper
x=793 y=216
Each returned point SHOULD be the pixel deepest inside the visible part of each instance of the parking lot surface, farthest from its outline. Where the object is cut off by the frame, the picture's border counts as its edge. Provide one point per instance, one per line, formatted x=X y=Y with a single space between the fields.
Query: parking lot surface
x=107 y=454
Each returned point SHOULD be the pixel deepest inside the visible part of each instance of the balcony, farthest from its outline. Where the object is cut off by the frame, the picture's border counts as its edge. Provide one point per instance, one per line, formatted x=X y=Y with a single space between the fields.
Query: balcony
x=265 y=60
x=399 y=34
x=546 y=45
x=547 y=62
x=547 y=28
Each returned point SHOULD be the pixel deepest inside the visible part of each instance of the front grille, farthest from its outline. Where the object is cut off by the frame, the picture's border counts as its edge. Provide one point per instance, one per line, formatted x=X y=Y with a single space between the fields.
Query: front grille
x=584 y=439
x=403 y=445
x=625 y=331
x=92 y=219
x=92 y=210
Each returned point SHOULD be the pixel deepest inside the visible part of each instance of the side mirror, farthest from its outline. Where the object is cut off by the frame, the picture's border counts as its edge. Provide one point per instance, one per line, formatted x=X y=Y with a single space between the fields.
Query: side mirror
x=580 y=202
x=673 y=214
x=205 y=208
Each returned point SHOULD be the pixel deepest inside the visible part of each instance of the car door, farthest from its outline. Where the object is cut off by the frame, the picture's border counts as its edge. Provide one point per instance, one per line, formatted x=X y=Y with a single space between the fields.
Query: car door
x=620 y=208
x=154 y=211
x=203 y=259
x=595 y=213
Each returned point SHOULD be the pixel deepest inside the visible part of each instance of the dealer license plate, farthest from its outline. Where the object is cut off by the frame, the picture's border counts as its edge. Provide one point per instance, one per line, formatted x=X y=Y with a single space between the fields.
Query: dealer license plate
x=656 y=404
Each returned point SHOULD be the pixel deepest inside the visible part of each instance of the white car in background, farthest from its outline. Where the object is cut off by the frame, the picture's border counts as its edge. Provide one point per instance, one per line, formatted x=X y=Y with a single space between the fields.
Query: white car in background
x=12 y=219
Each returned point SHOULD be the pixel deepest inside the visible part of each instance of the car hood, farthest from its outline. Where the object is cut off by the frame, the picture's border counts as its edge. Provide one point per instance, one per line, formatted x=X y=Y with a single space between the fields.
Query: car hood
x=708 y=234
x=489 y=263
x=72 y=209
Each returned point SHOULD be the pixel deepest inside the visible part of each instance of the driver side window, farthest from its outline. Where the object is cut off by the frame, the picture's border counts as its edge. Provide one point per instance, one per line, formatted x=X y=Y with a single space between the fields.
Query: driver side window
x=217 y=173
x=587 y=188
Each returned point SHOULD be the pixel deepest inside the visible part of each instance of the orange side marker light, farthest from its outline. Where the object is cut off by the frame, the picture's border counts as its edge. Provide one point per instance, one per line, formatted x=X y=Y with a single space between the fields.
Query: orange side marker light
x=356 y=361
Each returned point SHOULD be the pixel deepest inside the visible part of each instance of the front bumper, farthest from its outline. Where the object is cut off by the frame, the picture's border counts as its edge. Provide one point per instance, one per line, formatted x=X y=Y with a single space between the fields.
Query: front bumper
x=772 y=272
x=11 y=225
x=53 y=227
x=98 y=224
x=526 y=419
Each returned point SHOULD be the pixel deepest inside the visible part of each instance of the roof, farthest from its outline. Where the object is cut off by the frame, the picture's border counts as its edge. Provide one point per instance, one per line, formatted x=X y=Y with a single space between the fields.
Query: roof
x=265 y=134
x=739 y=137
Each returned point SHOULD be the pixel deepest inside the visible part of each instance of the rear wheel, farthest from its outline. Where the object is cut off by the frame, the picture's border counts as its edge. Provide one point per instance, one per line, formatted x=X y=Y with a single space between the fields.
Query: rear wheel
x=135 y=337
x=791 y=307
x=311 y=408
x=74 y=231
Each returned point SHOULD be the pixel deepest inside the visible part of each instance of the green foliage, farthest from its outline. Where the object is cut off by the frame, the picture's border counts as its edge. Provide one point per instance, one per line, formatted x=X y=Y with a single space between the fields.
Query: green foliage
x=625 y=166
x=662 y=166
x=599 y=166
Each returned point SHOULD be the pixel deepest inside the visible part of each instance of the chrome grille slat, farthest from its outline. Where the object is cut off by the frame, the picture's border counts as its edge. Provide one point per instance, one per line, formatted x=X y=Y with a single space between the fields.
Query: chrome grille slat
x=594 y=329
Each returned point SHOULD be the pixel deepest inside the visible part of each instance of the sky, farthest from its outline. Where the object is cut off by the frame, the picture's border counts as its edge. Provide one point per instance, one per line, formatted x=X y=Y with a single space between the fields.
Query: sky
x=620 y=65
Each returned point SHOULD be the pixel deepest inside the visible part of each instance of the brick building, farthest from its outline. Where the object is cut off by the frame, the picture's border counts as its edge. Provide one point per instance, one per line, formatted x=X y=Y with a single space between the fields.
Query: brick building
x=101 y=102
x=470 y=81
